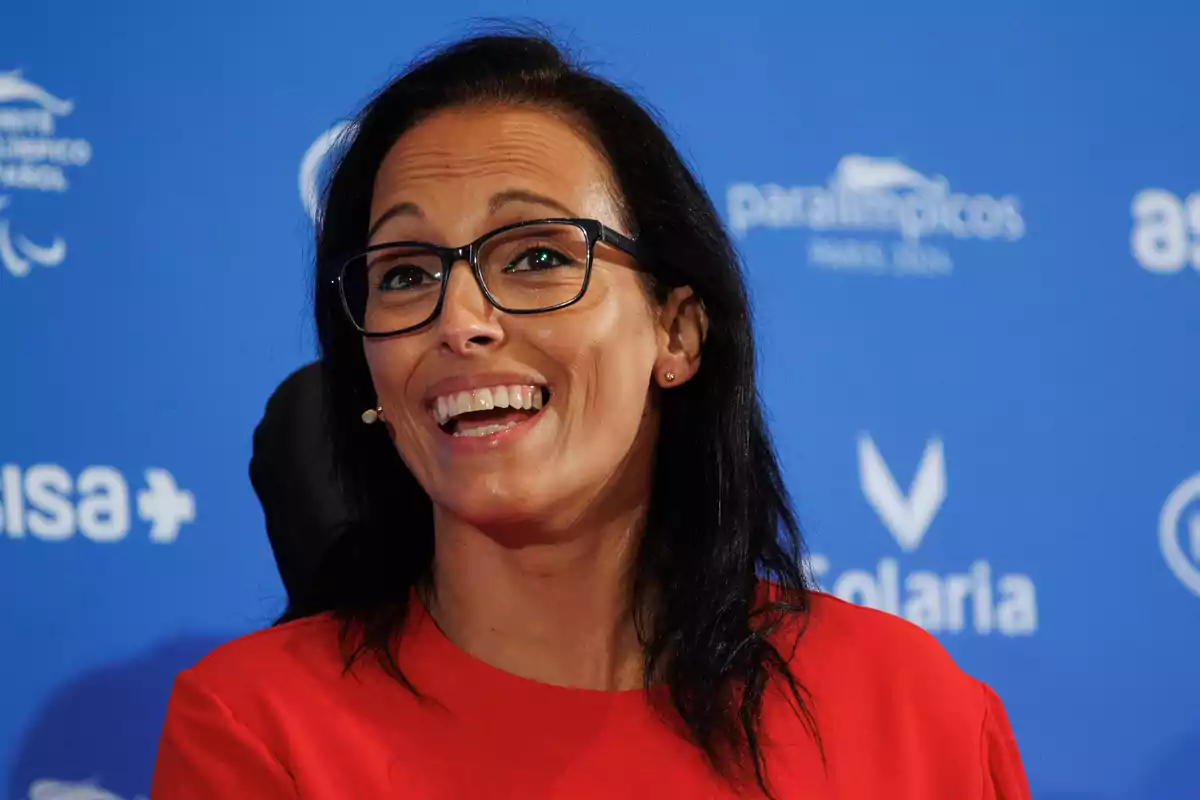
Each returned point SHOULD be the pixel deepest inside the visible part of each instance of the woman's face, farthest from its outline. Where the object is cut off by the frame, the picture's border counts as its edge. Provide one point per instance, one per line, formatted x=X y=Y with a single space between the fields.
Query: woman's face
x=452 y=178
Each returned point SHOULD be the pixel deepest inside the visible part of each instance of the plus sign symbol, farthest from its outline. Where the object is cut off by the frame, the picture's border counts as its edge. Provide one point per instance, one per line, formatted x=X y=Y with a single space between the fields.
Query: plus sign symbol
x=165 y=506
x=1179 y=532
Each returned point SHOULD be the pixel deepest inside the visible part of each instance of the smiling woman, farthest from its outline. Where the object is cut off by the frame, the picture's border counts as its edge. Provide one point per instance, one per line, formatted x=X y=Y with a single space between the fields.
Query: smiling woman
x=574 y=570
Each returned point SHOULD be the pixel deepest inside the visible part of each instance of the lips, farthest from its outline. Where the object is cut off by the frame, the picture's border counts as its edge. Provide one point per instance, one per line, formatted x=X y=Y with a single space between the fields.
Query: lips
x=482 y=411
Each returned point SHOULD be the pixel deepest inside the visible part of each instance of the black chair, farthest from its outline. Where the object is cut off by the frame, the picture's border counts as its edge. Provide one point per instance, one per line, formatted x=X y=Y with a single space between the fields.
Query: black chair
x=291 y=470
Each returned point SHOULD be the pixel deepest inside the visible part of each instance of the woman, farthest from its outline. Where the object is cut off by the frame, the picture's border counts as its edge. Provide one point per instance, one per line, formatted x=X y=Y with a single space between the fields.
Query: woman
x=573 y=570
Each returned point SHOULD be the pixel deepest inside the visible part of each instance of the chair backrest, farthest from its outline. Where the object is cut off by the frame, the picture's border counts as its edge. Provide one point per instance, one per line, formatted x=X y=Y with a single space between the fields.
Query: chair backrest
x=292 y=472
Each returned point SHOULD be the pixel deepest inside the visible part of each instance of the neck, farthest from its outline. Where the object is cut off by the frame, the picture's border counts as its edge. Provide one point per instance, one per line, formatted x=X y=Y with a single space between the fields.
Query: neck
x=554 y=607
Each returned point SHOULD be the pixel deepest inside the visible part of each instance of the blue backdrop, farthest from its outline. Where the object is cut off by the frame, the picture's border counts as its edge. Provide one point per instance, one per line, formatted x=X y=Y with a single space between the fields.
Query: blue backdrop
x=973 y=240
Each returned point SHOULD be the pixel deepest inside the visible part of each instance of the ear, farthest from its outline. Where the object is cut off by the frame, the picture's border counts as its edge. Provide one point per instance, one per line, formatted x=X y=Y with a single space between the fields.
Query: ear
x=683 y=326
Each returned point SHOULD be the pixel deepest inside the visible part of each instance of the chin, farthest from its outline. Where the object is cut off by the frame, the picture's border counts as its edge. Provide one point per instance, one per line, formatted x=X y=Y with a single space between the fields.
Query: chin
x=492 y=501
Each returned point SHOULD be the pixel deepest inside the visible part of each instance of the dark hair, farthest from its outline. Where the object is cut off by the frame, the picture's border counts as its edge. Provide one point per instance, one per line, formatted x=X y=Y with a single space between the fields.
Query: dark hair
x=719 y=515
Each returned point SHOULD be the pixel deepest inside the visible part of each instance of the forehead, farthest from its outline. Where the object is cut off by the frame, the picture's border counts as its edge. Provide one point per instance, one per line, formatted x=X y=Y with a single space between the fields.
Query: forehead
x=459 y=158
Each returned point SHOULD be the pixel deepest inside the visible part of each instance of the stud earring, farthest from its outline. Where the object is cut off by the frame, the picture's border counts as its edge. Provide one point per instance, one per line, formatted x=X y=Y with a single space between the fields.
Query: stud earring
x=670 y=376
x=372 y=414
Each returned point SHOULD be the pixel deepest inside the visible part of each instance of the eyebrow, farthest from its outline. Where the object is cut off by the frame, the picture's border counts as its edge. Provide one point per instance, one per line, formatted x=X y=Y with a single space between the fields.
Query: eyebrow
x=497 y=201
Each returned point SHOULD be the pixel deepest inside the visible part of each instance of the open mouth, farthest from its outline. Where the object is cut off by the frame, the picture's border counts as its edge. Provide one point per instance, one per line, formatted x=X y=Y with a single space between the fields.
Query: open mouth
x=488 y=410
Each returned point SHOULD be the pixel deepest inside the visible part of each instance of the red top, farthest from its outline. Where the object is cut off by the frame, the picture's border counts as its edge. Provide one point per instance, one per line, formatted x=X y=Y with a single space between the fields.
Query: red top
x=272 y=715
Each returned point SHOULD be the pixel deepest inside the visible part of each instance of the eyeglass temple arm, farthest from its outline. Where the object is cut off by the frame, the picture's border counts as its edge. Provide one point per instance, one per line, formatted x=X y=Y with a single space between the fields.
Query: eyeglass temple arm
x=621 y=241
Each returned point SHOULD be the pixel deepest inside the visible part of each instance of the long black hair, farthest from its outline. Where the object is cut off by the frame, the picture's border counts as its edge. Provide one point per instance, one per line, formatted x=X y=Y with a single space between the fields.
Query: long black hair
x=719 y=516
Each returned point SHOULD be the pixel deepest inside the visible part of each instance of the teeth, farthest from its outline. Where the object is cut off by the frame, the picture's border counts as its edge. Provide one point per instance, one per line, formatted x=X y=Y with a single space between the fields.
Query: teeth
x=449 y=406
x=482 y=400
x=486 y=430
x=463 y=404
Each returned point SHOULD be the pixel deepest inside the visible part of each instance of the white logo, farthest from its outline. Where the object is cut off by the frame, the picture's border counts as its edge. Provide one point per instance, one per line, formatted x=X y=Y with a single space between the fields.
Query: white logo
x=1166 y=231
x=310 y=166
x=46 y=503
x=47 y=789
x=1179 y=532
x=32 y=158
x=165 y=506
x=907 y=518
x=950 y=603
x=868 y=195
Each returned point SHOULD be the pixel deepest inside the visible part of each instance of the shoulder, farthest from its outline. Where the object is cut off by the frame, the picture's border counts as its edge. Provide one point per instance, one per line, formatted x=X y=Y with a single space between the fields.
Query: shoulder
x=862 y=632
x=886 y=691
x=270 y=665
x=846 y=650
x=289 y=643
x=836 y=628
x=254 y=716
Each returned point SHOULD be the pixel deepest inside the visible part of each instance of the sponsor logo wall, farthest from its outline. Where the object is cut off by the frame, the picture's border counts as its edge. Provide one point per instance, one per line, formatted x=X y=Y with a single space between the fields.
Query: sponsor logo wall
x=877 y=215
x=1179 y=533
x=45 y=502
x=34 y=157
x=1166 y=231
x=978 y=321
x=974 y=599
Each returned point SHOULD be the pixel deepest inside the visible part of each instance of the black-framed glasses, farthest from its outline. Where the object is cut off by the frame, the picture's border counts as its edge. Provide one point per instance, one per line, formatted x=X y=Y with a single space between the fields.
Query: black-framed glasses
x=525 y=268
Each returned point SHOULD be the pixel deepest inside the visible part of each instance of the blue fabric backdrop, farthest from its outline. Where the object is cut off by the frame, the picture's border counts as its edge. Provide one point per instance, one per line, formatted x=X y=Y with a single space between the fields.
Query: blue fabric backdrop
x=973 y=239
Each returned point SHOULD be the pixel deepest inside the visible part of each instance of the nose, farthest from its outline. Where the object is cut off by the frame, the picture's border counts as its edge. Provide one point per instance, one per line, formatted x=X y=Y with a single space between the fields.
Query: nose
x=467 y=323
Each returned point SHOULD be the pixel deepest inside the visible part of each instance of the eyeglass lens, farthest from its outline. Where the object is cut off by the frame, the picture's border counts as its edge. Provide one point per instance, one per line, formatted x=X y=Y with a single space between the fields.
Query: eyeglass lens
x=528 y=268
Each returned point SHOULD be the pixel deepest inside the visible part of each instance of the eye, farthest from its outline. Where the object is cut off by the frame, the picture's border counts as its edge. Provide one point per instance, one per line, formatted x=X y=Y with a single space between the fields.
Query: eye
x=536 y=259
x=405 y=277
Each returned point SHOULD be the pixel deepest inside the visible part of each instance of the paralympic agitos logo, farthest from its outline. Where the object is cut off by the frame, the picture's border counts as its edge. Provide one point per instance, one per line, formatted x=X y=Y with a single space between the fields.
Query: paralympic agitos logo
x=34 y=158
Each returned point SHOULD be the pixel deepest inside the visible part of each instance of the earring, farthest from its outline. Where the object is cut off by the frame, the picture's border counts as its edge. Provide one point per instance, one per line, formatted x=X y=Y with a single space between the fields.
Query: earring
x=670 y=376
x=372 y=414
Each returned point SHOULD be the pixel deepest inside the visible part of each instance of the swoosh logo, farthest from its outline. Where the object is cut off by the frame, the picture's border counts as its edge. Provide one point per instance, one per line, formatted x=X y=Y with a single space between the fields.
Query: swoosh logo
x=866 y=173
x=14 y=87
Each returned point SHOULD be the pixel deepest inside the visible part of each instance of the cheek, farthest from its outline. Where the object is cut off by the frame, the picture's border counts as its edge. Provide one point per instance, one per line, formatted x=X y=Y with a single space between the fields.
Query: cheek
x=610 y=355
x=617 y=388
x=391 y=364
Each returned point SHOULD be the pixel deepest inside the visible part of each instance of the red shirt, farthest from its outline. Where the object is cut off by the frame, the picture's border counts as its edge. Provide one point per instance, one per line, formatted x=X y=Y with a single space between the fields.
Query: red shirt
x=273 y=715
